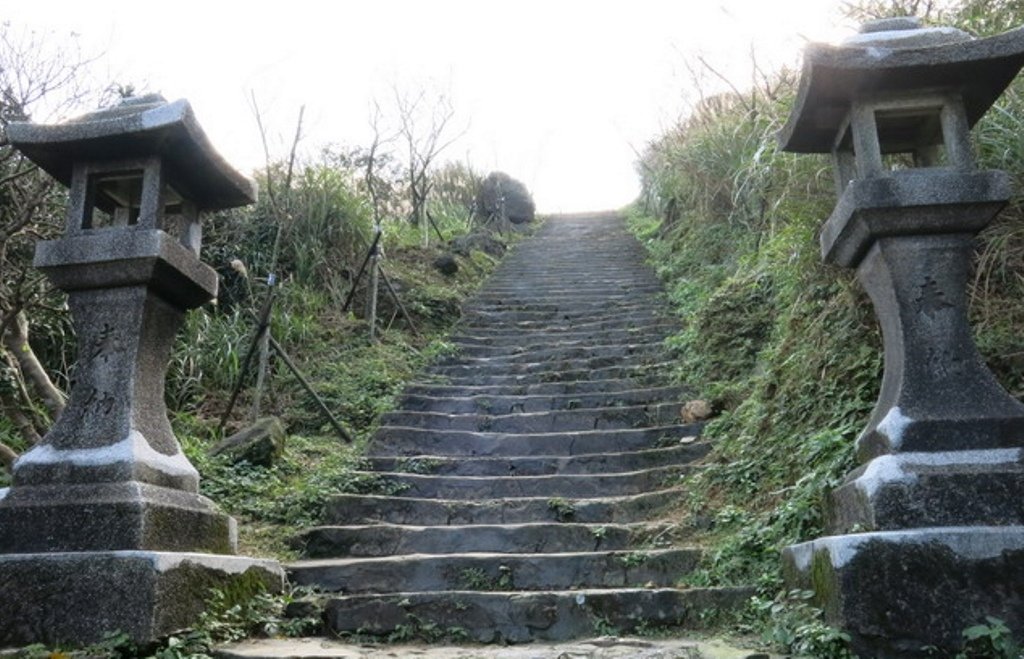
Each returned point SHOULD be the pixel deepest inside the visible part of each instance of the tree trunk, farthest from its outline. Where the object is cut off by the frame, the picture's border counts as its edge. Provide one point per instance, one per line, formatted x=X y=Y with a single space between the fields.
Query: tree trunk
x=16 y=341
x=7 y=457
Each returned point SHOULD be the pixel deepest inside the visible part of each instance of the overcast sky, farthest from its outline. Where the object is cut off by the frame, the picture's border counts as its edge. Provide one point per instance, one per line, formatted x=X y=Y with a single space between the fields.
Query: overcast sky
x=558 y=93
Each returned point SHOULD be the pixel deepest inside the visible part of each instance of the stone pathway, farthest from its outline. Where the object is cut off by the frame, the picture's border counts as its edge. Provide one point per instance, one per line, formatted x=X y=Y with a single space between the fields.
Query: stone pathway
x=523 y=476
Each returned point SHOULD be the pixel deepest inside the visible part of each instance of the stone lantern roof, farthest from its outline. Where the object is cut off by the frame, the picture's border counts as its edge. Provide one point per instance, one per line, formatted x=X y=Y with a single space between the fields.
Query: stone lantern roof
x=139 y=127
x=896 y=56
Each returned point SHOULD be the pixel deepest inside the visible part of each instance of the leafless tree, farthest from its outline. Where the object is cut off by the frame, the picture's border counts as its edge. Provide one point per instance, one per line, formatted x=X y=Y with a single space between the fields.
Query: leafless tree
x=425 y=127
x=41 y=78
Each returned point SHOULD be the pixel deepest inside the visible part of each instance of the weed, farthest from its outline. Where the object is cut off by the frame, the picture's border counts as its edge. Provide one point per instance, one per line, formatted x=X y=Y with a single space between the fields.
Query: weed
x=563 y=509
x=475 y=578
x=989 y=639
x=604 y=627
x=418 y=465
x=796 y=626
x=633 y=559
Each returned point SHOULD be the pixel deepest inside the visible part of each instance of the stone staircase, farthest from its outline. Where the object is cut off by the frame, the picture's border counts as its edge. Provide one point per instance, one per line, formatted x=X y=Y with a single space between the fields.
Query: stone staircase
x=524 y=476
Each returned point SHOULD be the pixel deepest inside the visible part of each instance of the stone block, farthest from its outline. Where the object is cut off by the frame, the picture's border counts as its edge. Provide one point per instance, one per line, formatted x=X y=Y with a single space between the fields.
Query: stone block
x=115 y=516
x=920 y=490
x=57 y=598
x=909 y=203
x=898 y=592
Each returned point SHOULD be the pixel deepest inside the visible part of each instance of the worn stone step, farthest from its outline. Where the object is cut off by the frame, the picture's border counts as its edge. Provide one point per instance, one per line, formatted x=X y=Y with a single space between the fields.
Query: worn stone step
x=537 y=538
x=579 y=387
x=593 y=647
x=391 y=440
x=538 y=376
x=519 y=617
x=504 y=337
x=603 y=322
x=595 y=303
x=559 y=316
x=549 y=367
x=601 y=418
x=485 y=404
x=494 y=571
x=596 y=463
x=577 y=302
x=491 y=357
x=368 y=509
x=471 y=353
x=615 y=270
x=557 y=485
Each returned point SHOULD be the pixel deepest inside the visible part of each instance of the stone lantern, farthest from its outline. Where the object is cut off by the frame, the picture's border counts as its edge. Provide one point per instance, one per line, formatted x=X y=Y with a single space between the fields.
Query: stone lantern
x=929 y=531
x=103 y=528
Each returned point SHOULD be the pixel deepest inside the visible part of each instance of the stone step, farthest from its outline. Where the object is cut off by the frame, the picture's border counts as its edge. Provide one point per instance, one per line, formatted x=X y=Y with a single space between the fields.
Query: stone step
x=513 y=279
x=471 y=353
x=492 y=571
x=518 y=339
x=597 y=299
x=593 y=647
x=553 y=368
x=519 y=617
x=428 y=486
x=536 y=538
x=601 y=418
x=391 y=440
x=601 y=323
x=554 y=375
x=369 y=509
x=493 y=404
x=562 y=316
x=491 y=357
x=596 y=463
x=579 y=387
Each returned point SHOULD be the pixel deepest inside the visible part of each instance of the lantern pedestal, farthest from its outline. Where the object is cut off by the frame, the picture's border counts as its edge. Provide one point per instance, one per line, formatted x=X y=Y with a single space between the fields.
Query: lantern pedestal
x=930 y=530
x=926 y=538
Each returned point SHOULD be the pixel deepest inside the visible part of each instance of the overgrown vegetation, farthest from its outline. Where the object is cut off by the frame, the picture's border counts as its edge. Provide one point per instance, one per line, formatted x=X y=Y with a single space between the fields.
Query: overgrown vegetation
x=785 y=346
x=308 y=235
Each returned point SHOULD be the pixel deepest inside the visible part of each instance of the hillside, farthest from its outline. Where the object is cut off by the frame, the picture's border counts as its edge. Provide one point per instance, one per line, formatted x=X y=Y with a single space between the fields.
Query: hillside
x=785 y=347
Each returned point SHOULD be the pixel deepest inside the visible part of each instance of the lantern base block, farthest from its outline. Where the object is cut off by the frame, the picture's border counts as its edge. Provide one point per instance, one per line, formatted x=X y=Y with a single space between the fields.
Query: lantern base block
x=77 y=598
x=897 y=593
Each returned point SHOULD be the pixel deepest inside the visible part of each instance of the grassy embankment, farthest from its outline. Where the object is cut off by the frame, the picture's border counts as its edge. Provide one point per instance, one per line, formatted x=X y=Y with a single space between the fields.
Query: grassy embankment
x=787 y=348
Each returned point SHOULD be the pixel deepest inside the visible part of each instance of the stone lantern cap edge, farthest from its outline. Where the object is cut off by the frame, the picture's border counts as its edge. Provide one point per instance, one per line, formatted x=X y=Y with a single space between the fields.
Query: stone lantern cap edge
x=149 y=126
x=832 y=77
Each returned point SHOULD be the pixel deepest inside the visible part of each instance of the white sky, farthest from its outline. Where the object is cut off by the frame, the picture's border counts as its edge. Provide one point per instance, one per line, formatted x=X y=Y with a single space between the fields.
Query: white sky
x=557 y=93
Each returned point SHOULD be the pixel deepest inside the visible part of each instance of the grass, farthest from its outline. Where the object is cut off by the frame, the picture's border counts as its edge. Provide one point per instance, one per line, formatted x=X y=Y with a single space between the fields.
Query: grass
x=785 y=346
x=357 y=379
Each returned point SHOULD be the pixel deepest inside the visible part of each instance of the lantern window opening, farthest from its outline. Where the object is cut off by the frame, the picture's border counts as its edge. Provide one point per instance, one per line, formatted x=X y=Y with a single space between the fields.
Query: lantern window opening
x=911 y=138
x=113 y=199
x=179 y=217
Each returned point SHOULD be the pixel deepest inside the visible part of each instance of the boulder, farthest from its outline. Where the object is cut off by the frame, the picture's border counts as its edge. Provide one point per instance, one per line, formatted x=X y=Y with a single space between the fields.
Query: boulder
x=519 y=206
x=260 y=444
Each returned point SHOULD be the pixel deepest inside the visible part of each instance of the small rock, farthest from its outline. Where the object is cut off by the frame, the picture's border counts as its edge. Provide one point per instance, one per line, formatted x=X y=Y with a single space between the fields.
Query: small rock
x=446 y=265
x=696 y=410
x=260 y=444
